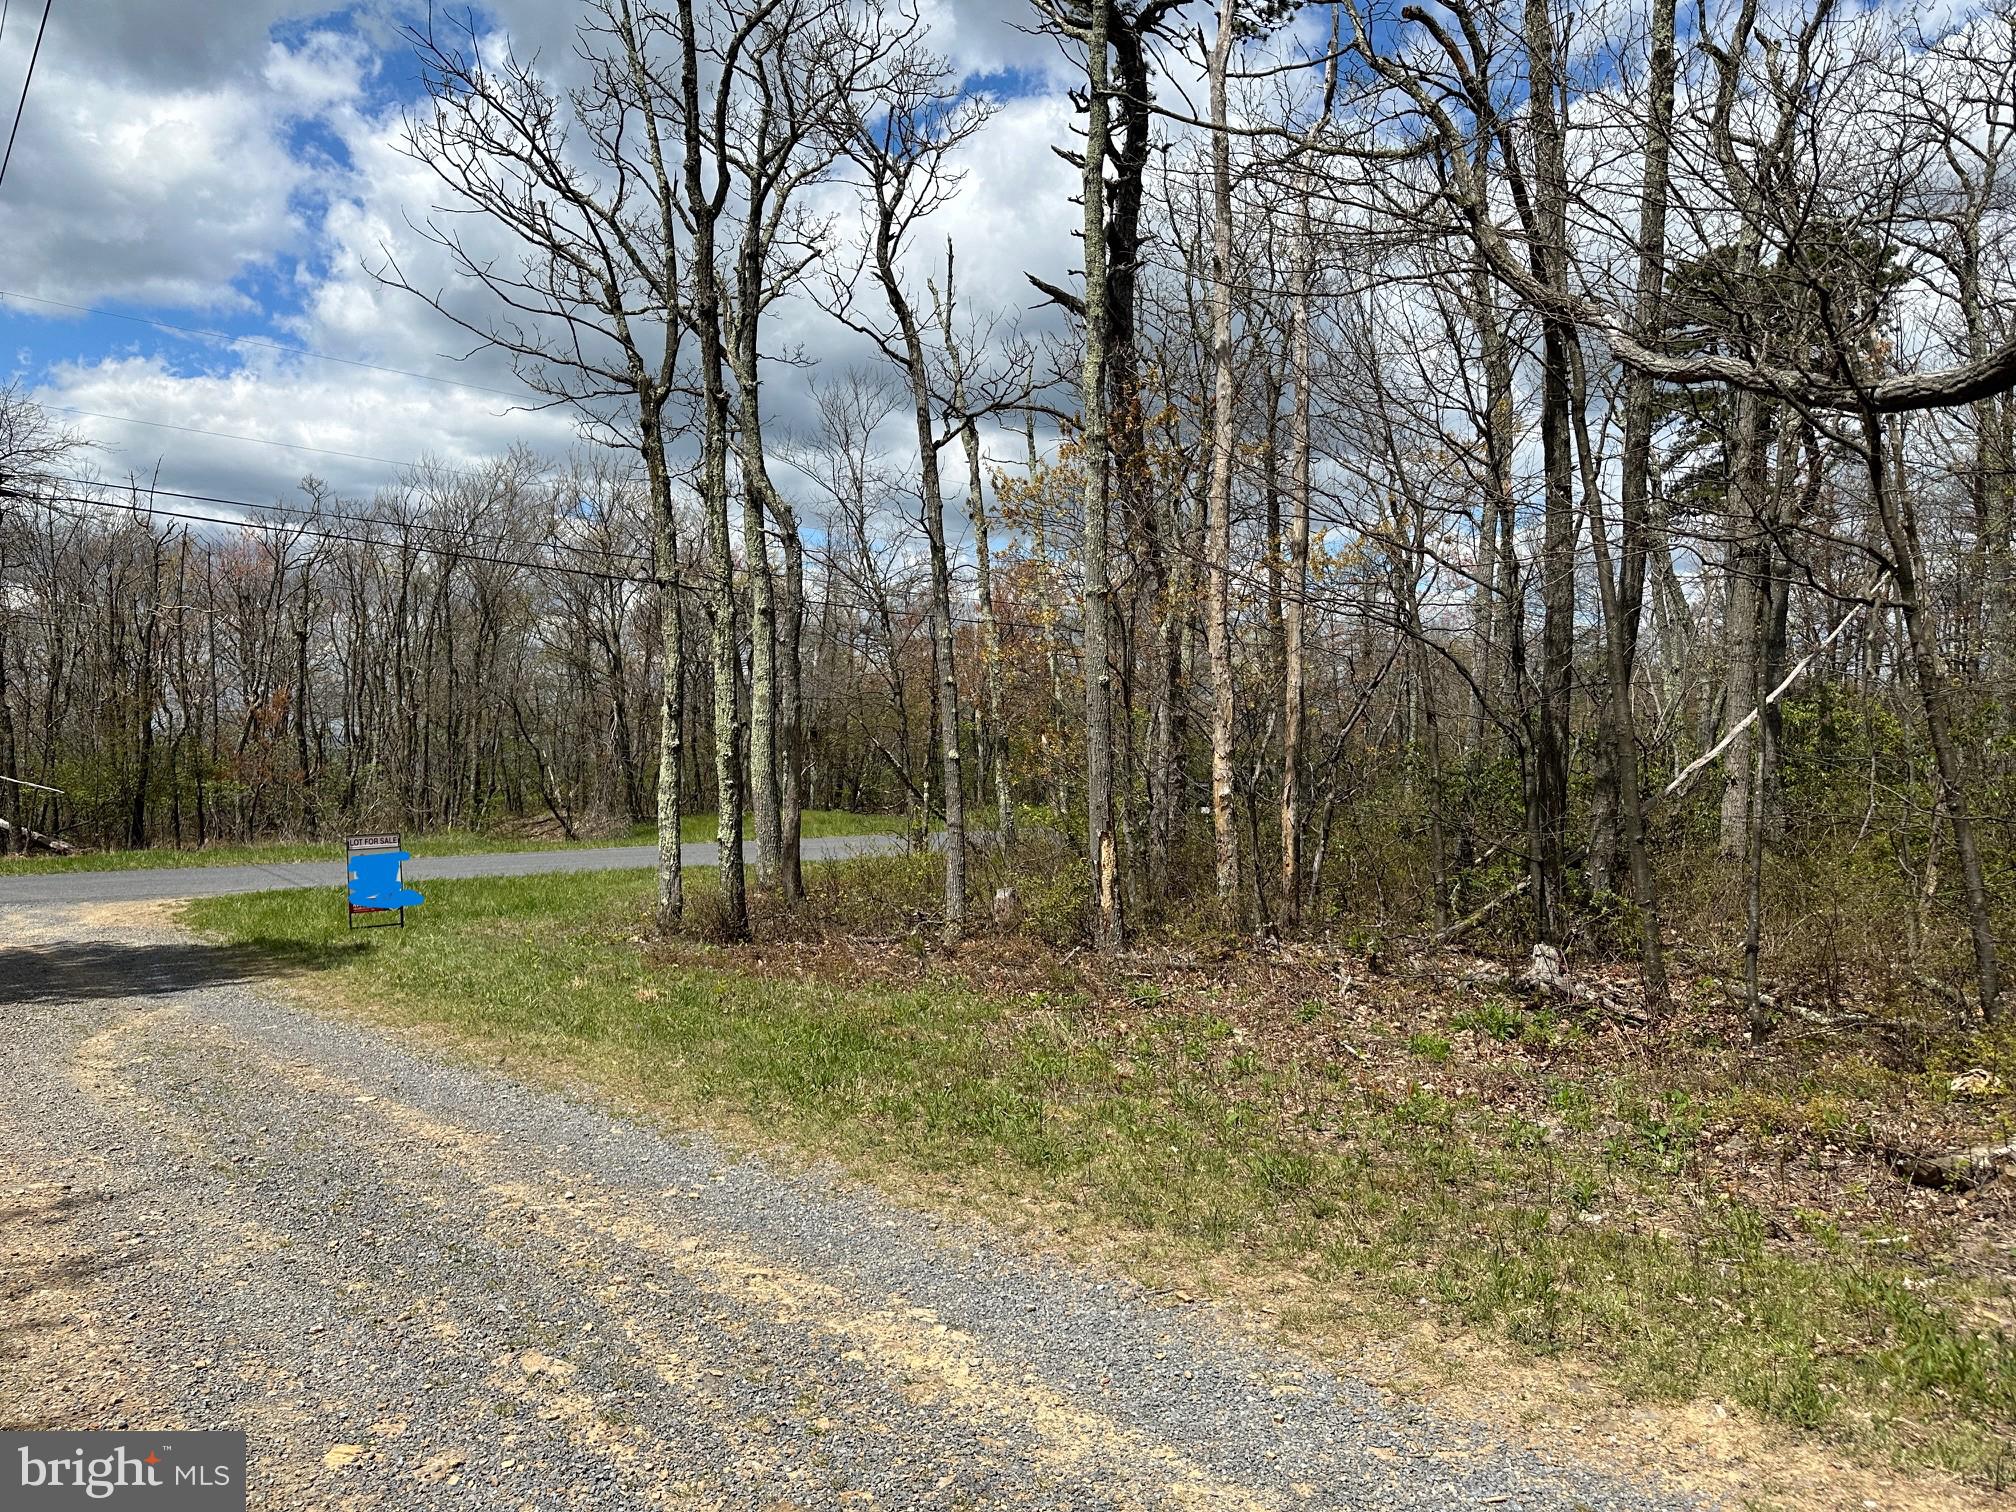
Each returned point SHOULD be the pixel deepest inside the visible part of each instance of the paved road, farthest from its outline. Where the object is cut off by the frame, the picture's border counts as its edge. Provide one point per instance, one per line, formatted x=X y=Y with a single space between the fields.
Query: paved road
x=418 y=1284
x=206 y=881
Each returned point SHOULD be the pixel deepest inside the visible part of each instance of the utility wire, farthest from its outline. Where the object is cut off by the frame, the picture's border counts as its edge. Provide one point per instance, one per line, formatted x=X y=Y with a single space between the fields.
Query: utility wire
x=461 y=533
x=26 y=80
x=271 y=346
x=322 y=451
x=368 y=522
x=81 y=503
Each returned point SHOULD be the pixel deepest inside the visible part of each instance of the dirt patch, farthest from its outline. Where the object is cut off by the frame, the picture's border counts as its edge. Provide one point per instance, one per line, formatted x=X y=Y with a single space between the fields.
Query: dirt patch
x=155 y=913
x=59 y=1360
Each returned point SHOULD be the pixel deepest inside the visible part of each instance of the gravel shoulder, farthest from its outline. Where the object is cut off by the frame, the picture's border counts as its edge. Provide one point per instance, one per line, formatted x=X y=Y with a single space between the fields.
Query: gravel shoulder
x=420 y=1284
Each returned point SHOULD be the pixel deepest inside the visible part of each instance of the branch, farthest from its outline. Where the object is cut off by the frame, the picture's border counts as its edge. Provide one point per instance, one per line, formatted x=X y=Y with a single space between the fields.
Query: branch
x=1058 y=296
x=1695 y=767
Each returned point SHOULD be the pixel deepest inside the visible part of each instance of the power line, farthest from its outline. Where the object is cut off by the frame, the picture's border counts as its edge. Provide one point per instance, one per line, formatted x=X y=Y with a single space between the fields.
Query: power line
x=460 y=533
x=82 y=502
x=271 y=346
x=26 y=79
x=362 y=521
x=198 y=430
x=151 y=510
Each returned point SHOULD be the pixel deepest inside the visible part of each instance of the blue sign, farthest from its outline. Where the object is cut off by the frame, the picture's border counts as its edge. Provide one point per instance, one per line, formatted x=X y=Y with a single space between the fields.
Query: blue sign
x=374 y=882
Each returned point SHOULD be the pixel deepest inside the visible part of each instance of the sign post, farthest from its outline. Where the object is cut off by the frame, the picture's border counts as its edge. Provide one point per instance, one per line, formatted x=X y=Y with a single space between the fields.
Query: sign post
x=371 y=864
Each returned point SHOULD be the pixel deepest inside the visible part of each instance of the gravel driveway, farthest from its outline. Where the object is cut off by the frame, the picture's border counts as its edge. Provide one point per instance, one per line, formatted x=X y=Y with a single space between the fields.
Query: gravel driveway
x=421 y=1285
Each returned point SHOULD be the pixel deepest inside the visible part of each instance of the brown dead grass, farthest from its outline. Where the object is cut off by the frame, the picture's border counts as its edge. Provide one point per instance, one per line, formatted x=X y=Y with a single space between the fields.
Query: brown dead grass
x=1797 y=1127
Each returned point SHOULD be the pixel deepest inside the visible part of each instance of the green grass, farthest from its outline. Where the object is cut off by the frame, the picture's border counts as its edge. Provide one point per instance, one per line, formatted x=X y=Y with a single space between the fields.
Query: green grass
x=1340 y=1204
x=817 y=824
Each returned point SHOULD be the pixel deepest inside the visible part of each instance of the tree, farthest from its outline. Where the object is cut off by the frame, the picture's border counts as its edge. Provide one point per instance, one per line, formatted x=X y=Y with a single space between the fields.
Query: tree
x=594 y=309
x=1224 y=440
x=920 y=117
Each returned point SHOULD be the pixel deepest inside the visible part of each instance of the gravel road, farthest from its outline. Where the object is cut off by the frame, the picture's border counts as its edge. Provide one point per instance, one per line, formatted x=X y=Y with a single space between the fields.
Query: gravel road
x=418 y=1284
x=207 y=881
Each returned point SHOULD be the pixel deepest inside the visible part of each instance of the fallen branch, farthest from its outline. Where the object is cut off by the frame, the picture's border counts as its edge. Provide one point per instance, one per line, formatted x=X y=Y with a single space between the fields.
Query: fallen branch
x=40 y=787
x=1470 y=921
x=1694 y=768
x=35 y=839
x=1957 y=1171
x=1952 y=996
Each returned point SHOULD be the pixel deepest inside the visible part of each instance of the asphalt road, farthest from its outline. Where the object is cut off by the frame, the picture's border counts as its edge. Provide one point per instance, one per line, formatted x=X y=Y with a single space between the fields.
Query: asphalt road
x=418 y=1283
x=207 y=881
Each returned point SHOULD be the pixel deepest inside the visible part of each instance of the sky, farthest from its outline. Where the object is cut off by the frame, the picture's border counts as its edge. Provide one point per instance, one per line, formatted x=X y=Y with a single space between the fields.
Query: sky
x=230 y=168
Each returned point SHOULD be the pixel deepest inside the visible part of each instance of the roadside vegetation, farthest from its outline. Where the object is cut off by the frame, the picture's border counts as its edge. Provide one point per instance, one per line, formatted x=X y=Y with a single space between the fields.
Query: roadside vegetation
x=693 y=829
x=1359 y=1136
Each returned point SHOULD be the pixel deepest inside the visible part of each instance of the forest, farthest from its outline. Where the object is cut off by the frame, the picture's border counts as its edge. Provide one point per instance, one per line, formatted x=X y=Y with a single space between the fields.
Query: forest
x=1539 y=472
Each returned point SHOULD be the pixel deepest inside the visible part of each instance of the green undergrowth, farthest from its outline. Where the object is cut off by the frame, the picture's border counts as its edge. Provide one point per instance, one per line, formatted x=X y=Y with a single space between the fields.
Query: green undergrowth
x=694 y=828
x=1347 y=1203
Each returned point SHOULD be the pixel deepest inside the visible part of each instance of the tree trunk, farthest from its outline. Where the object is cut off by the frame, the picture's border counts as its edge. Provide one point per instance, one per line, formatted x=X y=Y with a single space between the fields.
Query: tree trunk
x=1218 y=506
x=1101 y=841
x=1743 y=617
x=1899 y=519
x=672 y=686
x=1557 y=565
x=946 y=693
x=1498 y=604
x=995 y=738
x=756 y=497
x=1620 y=714
x=704 y=210
x=790 y=706
x=1295 y=607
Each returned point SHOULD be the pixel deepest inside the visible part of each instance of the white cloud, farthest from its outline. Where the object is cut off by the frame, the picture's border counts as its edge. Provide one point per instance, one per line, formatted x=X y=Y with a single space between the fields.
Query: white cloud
x=327 y=70
x=285 y=400
x=160 y=198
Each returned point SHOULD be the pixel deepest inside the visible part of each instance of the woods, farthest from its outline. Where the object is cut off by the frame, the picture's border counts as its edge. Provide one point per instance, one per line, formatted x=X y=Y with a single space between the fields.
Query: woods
x=1446 y=430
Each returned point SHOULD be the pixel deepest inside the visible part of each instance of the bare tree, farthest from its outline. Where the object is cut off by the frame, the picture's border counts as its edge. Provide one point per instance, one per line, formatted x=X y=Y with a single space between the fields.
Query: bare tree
x=904 y=148
x=592 y=311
